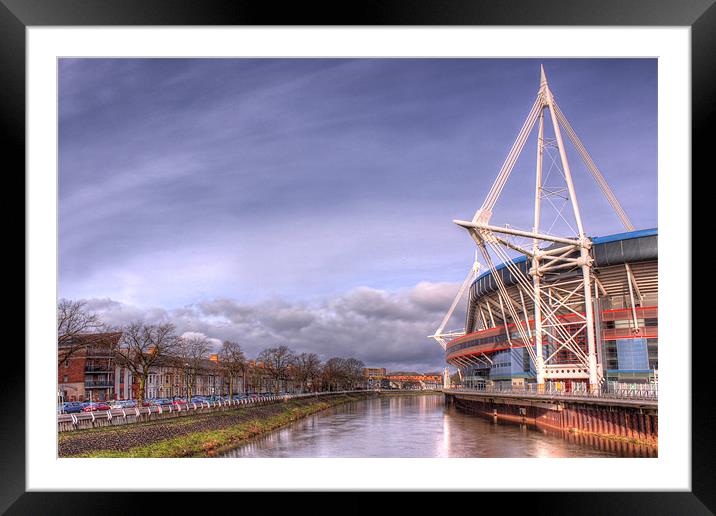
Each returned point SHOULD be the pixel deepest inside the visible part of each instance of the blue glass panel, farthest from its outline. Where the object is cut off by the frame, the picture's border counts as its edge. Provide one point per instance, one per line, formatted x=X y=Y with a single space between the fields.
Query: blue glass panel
x=632 y=354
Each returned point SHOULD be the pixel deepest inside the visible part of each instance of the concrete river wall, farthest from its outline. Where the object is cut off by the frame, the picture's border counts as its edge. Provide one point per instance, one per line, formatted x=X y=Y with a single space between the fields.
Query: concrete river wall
x=627 y=419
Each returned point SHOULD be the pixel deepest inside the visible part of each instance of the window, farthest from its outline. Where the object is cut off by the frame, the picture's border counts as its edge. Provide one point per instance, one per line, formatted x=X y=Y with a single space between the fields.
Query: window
x=64 y=379
x=67 y=364
x=632 y=354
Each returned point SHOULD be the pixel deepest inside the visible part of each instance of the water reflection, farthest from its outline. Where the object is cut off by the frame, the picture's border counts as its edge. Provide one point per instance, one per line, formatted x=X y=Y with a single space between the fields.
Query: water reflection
x=421 y=426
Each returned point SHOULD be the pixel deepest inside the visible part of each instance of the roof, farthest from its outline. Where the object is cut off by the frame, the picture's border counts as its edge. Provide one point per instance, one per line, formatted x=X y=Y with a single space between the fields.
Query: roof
x=627 y=247
x=110 y=338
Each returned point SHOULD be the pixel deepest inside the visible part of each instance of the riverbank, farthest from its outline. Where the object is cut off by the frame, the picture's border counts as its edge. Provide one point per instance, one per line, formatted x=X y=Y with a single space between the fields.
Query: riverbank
x=389 y=392
x=200 y=435
x=629 y=421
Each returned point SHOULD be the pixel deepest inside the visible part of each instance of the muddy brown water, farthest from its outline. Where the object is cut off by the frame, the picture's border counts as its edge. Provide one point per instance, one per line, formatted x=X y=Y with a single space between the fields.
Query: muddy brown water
x=422 y=426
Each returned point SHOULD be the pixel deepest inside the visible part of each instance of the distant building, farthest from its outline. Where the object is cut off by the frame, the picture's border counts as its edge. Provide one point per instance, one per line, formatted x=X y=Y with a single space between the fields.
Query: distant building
x=373 y=372
x=379 y=377
x=413 y=380
x=373 y=376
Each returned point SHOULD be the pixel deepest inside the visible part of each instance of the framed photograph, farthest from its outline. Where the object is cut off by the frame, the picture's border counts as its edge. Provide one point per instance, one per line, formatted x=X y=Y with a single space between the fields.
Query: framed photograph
x=419 y=248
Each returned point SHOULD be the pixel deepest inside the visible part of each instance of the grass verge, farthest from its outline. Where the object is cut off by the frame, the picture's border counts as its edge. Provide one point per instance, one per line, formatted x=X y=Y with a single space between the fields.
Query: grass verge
x=193 y=436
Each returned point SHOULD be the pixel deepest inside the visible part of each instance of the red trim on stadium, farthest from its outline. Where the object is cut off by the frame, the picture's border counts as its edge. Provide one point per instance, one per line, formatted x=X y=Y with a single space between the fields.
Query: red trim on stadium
x=645 y=332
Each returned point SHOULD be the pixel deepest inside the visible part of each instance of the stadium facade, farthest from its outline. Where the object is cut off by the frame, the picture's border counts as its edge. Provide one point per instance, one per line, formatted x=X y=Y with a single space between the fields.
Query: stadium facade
x=625 y=307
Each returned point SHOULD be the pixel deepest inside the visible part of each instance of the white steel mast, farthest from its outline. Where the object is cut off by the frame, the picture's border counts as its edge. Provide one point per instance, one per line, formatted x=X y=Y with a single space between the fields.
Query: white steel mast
x=553 y=307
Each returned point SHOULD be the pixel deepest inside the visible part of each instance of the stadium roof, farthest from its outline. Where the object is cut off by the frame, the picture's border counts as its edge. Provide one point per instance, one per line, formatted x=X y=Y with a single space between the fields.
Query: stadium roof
x=628 y=247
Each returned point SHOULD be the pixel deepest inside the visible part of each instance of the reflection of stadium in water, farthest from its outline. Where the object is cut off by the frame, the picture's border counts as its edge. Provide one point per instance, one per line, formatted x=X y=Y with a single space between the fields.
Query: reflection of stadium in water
x=422 y=426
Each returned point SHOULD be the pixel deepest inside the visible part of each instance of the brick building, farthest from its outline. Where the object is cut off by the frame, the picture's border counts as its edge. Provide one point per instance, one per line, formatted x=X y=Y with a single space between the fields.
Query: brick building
x=92 y=372
x=168 y=379
x=86 y=367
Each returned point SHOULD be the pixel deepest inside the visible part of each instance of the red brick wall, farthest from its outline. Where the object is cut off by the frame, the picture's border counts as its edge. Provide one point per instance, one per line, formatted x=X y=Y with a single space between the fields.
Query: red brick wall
x=75 y=371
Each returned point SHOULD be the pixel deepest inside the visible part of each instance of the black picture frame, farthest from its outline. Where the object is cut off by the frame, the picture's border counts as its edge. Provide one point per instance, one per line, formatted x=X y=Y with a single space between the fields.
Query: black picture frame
x=17 y=15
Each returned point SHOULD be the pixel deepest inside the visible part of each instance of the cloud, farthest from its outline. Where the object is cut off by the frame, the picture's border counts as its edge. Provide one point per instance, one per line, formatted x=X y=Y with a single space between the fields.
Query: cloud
x=302 y=178
x=381 y=328
x=214 y=343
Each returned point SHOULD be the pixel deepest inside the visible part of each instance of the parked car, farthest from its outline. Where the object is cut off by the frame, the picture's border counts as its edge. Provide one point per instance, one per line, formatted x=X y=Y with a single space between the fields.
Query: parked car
x=96 y=406
x=72 y=407
x=179 y=402
x=120 y=404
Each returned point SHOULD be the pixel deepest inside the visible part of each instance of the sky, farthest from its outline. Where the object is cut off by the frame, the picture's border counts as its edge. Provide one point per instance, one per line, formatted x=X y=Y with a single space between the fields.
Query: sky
x=309 y=202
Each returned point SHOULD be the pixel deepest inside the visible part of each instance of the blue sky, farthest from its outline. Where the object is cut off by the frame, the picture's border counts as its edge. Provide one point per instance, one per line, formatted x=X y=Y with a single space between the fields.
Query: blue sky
x=305 y=188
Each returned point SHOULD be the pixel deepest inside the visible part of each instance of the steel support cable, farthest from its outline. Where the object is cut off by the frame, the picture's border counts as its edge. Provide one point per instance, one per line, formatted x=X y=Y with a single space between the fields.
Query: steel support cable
x=522 y=282
x=510 y=307
x=580 y=356
x=454 y=303
x=563 y=256
x=511 y=159
x=558 y=327
x=521 y=279
x=491 y=266
x=514 y=153
x=509 y=263
x=514 y=270
x=563 y=339
x=526 y=286
x=598 y=177
x=563 y=300
x=550 y=317
x=574 y=349
x=559 y=215
x=581 y=360
x=504 y=321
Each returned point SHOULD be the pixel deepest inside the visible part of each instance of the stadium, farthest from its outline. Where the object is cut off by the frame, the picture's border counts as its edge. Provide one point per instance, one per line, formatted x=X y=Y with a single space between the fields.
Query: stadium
x=555 y=307
x=625 y=316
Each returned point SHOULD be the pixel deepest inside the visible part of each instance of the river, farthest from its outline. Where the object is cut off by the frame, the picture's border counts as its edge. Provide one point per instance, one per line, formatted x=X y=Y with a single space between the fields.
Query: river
x=421 y=426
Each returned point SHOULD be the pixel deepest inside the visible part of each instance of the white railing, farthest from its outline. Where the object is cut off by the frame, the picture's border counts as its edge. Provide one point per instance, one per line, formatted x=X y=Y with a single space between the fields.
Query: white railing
x=188 y=406
x=606 y=391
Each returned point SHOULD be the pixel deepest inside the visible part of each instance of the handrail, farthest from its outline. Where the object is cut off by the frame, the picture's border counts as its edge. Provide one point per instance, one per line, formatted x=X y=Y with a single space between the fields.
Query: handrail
x=138 y=411
x=603 y=393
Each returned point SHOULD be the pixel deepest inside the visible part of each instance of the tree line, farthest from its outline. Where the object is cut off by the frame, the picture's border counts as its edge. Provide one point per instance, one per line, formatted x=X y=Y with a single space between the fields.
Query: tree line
x=141 y=346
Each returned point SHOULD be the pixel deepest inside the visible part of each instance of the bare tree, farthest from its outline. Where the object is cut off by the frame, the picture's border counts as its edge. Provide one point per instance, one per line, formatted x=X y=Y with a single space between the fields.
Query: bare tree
x=232 y=361
x=277 y=363
x=75 y=326
x=192 y=352
x=354 y=372
x=334 y=373
x=141 y=346
x=342 y=373
x=253 y=376
x=307 y=369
